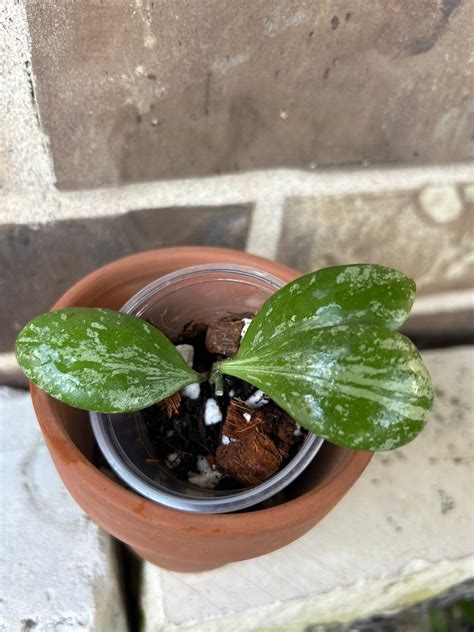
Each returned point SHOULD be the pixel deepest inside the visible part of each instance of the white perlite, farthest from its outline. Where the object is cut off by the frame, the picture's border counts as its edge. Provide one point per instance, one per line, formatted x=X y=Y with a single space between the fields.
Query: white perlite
x=246 y=322
x=257 y=399
x=58 y=568
x=208 y=476
x=192 y=391
x=401 y=535
x=297 y=430
x=212 y=412
x=187 y=353
x=173 y=460
x=225 y=440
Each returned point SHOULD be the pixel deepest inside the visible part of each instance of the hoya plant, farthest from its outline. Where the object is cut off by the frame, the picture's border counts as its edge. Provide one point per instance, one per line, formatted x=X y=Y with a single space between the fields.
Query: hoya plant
x=325 y=348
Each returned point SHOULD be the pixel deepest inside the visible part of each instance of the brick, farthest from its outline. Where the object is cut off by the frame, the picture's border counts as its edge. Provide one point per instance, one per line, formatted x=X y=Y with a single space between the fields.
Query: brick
x=58 y=568
x=403 y=229
x=10 y=373
x=402 y=535
x=51 y=257
x=131 y=91
x=442 y=329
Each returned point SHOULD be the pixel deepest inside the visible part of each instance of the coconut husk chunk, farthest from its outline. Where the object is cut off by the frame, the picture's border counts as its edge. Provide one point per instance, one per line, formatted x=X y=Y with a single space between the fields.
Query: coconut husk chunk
x=171 y=404
x=223 y=336
x=246 y=452
x=278 y=425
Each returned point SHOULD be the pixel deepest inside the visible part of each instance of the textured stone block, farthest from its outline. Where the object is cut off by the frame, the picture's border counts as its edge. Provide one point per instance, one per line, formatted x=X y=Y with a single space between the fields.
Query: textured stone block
x=427 y=234
x=442 y=329
x=39 y=263
x=58 y=568
x=403 y=534
x=139 y=90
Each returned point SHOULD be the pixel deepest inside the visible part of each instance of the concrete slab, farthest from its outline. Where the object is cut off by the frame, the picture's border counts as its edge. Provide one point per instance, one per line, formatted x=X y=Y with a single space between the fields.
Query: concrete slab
x=58 y=568
x=426 y=233
x=402 y=535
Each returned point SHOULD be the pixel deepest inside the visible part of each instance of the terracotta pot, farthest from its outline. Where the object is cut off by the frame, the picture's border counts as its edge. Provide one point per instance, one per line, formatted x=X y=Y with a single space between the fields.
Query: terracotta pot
x=173 y=539
x=200 y=294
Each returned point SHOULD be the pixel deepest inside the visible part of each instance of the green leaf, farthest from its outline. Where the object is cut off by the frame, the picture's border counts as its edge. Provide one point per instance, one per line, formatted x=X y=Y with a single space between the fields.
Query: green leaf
x=363 y=293
x=467 y=609
x=360 y=386
x=439 y=620
x=101 y=360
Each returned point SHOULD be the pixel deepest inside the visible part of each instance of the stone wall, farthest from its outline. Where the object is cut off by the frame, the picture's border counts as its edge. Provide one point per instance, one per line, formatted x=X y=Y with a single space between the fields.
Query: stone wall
x=99 y=95
x=140 y=90
x=328 y=132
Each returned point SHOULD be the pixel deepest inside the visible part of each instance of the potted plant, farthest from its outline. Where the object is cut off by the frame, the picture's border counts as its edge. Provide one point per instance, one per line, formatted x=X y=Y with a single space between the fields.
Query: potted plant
x=323 y=348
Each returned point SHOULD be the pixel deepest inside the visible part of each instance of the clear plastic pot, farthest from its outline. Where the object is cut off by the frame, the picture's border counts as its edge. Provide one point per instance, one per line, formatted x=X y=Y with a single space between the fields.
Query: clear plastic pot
x=202 y=293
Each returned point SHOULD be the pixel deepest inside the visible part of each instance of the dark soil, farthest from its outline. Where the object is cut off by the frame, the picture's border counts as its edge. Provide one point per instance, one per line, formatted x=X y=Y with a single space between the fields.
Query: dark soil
x=247 y=446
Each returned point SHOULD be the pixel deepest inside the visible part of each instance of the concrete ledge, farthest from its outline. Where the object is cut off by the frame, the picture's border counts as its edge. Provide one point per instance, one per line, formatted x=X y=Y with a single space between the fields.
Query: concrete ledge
x=402 y=535
x=58 y=568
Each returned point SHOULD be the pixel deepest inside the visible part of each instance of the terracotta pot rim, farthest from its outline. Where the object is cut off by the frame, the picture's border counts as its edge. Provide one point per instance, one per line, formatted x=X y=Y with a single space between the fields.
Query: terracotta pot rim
x=175 y=252
x=286 y=514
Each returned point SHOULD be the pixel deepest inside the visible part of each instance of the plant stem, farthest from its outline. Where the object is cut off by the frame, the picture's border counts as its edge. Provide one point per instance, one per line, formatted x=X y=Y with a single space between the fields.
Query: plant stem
x=217 y=379
x=219 y=384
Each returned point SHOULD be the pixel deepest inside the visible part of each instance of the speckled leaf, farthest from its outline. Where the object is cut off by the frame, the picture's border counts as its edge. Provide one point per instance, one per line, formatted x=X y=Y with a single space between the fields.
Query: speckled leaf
x=363 y=293
x=101 y=360
x=359 y=386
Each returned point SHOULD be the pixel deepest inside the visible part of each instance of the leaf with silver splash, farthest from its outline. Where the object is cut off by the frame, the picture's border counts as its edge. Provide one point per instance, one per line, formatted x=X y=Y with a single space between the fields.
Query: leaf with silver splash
x=362 y=293
x=359 y=386
x=101 y=360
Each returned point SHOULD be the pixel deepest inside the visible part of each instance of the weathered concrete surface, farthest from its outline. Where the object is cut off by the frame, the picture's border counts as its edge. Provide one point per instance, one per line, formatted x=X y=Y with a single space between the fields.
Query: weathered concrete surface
x=24 y=156
x=402 y=535
x=138 y=90
x=58 y=569
x=426 y=233
x=52 y=257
